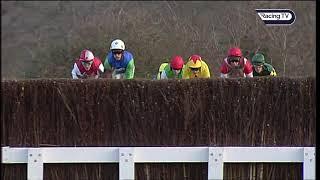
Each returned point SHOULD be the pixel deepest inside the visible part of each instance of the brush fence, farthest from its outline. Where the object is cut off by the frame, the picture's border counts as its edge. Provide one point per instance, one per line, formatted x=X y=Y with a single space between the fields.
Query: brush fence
x=128 y=156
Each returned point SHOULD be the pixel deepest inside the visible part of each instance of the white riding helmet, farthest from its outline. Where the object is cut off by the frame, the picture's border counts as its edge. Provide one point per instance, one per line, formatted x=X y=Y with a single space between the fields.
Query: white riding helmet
x=117 y=44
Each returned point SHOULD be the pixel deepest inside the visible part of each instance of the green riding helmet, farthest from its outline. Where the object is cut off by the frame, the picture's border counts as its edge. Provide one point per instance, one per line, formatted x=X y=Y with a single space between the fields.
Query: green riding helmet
x=258 y=59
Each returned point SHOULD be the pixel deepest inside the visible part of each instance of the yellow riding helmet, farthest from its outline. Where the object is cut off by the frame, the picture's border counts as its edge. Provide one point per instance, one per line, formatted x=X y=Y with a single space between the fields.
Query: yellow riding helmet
x=194 y=61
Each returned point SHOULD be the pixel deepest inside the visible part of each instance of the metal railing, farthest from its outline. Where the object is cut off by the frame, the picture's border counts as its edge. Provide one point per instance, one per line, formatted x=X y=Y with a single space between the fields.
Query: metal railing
x=128 y=156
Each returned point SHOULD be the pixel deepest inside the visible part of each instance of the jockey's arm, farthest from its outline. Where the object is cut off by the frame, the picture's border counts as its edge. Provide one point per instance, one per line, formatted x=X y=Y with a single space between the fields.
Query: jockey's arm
x=101 y=68
x=206 y=72
x=75 y=72
x=159 y=75
x=107 y=70
x=273 y=73
x=163 y=75
x=161 y=69
x=249 y=75
x=100 y=71
x=224 y=75
x=129 y=74
x=248 y=69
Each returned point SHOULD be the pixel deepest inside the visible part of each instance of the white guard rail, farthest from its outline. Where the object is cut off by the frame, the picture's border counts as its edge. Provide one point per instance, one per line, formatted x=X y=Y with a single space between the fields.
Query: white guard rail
x=128 y=156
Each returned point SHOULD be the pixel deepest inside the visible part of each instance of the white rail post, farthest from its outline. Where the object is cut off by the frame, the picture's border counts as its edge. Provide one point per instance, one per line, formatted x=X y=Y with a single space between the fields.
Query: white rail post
x=126 y=163
x=215 y=163
x=35 y=164
x=309 y=168
x=5 y=154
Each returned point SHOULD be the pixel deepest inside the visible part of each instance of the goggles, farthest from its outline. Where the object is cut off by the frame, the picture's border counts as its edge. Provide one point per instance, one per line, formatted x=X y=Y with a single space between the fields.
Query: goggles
x=258 y=65
x=234 y=59
x=117 y=51
x=176 y=69
x=195 y=69
x=87 y=62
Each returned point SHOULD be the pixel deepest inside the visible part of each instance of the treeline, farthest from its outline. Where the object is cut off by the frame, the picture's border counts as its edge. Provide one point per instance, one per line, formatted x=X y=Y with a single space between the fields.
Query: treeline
x=42 y=39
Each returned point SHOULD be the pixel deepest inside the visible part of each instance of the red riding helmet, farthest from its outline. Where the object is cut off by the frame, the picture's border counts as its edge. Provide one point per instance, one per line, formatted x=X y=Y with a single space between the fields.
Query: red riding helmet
x=86 y=55
x=235 y=52
x=176 y=62
x=194 y=61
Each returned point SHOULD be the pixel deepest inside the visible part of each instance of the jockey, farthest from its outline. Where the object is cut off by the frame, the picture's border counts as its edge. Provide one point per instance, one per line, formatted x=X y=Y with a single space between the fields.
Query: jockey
x=87 y=66
x=261 y=68
x=196 y=68
x=236 y=65
x=119 y=62
x=172 y=70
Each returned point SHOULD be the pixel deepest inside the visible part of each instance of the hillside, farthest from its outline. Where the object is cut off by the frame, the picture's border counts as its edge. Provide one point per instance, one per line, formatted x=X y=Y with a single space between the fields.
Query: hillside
x=42 y=39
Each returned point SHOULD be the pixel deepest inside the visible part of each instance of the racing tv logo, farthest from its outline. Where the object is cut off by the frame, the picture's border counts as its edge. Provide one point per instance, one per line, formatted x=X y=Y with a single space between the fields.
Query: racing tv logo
x=276 y=17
